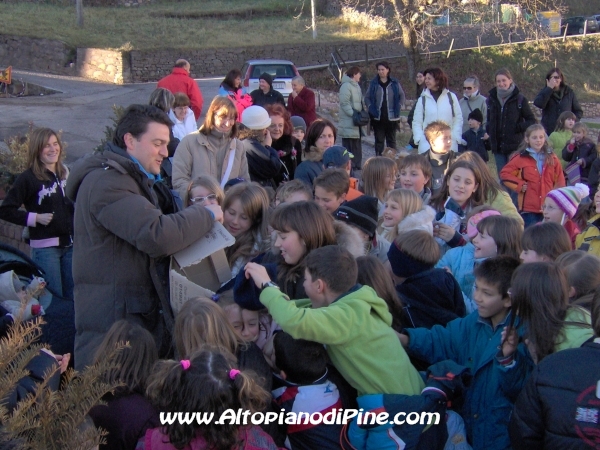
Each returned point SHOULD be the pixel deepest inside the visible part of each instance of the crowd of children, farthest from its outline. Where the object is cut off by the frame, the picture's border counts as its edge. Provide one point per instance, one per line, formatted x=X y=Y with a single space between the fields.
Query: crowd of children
x=342 y=291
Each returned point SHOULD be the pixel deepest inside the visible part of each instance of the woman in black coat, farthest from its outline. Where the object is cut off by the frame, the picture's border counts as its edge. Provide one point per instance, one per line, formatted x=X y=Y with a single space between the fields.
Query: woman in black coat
x=288 y=147
x=509 y=115
x=555 y=99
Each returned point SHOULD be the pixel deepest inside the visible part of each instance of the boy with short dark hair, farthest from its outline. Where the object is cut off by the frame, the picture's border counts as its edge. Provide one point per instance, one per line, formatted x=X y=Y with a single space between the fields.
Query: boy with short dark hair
x=338 y=157
x=350 y=319
x=362 y=214
x=474 y=341
x=429 y=296
x=331 y=187
x=474 y=139
x=415 y=174
x=306 y=388
x=440 y=154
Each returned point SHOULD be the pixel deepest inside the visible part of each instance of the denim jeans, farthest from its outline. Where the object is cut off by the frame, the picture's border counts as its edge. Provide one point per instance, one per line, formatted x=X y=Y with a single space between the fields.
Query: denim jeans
x=531 y=218
x=385 y=133
x=501 y=161
x=57 y=264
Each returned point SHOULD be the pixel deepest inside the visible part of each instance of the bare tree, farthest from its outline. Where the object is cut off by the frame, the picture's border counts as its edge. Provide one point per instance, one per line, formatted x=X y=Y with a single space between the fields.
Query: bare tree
x=79 y=12
x=418 y=23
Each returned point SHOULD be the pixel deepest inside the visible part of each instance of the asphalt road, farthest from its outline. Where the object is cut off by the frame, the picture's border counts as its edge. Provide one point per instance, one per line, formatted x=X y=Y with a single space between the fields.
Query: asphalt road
x=81 y=110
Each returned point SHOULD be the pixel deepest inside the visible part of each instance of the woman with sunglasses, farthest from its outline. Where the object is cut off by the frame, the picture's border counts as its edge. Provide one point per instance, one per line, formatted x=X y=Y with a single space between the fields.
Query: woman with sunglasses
x=555 y=98
x=472 y=100
x=212 y=150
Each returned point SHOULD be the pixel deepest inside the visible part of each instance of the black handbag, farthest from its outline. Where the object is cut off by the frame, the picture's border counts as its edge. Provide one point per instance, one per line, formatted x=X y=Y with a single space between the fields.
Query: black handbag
x=360 y=118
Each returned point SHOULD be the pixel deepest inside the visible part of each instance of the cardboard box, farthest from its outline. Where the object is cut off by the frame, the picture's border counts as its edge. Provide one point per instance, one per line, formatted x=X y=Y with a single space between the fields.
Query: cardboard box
x=200 y=269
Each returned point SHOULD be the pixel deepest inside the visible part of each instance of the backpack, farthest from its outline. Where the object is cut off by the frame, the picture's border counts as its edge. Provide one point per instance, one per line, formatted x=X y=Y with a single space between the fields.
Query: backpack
x=449 y=99
x=589 y=239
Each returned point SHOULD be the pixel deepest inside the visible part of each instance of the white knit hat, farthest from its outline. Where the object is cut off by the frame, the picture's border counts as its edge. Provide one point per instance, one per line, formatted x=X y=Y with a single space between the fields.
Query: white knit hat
x=256 y=118
x=568 y=198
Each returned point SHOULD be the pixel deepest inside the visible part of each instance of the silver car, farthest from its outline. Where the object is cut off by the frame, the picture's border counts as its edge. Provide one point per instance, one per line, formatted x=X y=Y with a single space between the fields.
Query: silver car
x=281 y=70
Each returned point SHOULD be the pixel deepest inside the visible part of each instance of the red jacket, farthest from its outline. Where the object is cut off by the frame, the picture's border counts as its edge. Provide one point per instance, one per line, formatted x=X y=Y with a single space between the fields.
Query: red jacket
x=180 y=81
x=522 y=169
x=303 y=105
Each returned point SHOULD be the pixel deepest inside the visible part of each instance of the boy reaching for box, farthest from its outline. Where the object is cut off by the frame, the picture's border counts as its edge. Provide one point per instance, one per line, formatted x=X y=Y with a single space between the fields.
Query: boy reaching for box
x=474 y=341
x=349 y=319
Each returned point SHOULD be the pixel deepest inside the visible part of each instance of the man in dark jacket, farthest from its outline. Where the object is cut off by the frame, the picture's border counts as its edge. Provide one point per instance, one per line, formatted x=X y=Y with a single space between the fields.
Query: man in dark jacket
x=265 y=94
x=126 y=226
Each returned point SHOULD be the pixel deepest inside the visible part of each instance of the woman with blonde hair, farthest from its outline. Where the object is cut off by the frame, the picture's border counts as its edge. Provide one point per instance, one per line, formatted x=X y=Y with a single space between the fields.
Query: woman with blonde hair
x=204 y=190
x=48 y=213
x=212 y=150
x=379 y=178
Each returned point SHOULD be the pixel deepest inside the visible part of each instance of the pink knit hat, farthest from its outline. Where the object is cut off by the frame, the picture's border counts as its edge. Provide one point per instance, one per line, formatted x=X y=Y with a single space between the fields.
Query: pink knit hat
x=568 y=198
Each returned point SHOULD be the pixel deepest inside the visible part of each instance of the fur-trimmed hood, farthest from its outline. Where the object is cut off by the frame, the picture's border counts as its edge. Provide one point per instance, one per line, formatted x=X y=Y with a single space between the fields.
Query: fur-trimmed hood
x=421 y=220
x=349 y=238
x=314 y=155
x=345 y=236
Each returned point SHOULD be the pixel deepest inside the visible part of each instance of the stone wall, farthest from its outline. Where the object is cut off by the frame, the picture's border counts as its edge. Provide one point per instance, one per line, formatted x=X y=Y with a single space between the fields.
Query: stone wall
x=86 y=4
x=11 y=234
x=41 y=55
x=153 y=65
x=104 y=65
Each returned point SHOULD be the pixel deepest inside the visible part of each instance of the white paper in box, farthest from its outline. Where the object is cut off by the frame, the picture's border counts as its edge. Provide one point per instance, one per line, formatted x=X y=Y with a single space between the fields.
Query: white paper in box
x=201 y=268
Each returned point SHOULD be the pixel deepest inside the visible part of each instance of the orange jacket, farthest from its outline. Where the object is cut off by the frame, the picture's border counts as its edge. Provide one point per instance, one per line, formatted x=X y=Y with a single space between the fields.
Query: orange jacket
x=522 y=169
x=180 y=81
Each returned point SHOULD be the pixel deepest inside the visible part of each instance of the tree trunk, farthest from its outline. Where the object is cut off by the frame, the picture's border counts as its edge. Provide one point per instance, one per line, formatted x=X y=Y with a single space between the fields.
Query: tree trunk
x=79 y=12
x=413 y=57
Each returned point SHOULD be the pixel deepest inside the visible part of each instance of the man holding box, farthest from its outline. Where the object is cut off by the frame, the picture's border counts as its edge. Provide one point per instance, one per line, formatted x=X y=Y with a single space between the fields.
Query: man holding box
x=126 y=225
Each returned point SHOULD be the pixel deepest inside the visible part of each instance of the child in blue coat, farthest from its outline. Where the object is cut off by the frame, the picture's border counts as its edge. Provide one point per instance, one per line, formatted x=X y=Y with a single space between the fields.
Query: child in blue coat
x=473 y=342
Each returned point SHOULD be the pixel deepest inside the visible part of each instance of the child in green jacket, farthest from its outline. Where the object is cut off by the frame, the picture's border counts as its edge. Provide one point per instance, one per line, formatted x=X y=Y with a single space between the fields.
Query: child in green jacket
x=350 y=319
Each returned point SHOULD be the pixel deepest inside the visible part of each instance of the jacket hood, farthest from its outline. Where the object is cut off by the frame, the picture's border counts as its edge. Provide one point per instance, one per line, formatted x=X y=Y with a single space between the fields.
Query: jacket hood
x=315 y=155
x=421 y=220
x=377 y=304
x=347 y=79
x=110 y=156
x=349 y=238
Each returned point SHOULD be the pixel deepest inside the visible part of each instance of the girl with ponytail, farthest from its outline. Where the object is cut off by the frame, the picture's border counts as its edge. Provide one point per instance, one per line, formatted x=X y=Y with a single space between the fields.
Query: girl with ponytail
x=208 y=382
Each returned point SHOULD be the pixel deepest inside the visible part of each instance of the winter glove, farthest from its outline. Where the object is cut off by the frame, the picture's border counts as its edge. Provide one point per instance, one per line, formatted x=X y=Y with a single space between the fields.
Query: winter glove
x=449 y=377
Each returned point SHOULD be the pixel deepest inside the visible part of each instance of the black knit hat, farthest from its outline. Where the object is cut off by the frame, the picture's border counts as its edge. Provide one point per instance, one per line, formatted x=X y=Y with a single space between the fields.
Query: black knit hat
x=361 y=212
x=477 y=115
x=268 y=78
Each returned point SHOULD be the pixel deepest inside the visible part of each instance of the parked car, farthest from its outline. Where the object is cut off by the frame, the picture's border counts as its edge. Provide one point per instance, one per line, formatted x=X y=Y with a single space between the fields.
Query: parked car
x=281 y=70
x=576 y=25
x=597 y=17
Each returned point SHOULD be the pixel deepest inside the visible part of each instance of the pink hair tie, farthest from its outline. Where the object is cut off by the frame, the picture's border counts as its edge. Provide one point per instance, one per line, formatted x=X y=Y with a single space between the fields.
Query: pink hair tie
x=185 y=363
x=233 y=373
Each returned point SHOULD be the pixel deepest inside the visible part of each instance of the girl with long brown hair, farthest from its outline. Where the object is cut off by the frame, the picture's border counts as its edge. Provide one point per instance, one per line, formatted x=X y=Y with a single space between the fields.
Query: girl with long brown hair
x=48 y=213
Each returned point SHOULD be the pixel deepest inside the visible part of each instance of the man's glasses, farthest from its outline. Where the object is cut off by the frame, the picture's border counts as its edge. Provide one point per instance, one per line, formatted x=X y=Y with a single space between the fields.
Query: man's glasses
x=203 y=199
x=467 y=88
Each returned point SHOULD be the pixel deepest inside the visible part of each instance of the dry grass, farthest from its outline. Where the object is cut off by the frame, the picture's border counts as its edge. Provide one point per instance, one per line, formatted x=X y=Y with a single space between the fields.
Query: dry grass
x=150 y=27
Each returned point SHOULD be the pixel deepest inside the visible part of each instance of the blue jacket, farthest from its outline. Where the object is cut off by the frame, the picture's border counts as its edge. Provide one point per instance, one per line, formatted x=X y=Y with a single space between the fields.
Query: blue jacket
x=374 y=98
x=461 y=262
x=475 y=143
x=488 y=402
